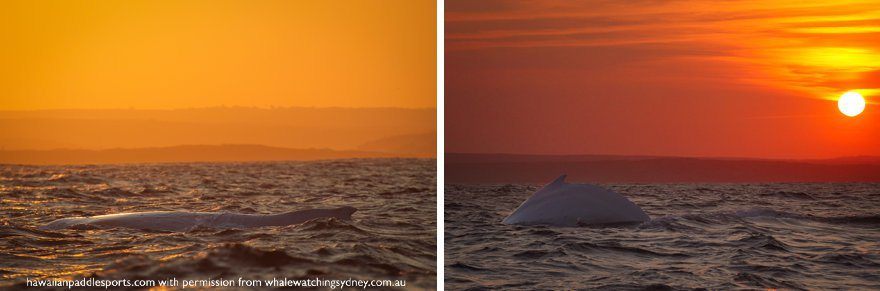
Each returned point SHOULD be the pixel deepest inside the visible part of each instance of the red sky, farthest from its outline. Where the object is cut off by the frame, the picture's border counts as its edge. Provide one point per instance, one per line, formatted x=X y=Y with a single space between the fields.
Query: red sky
x=691 y=78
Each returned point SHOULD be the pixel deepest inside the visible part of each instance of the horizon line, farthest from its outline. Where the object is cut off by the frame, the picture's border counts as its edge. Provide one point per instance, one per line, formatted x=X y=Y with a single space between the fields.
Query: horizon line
x=217 y=107
x=3 y=149
x=665 y=156
x=209 y=154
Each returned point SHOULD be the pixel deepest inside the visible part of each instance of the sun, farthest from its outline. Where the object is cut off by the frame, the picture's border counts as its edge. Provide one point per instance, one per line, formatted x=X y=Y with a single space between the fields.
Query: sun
x=851 y=104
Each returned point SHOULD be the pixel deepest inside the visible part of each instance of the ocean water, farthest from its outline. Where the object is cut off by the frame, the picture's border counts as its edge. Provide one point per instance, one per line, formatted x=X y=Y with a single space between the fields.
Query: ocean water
x=712 y=236
x=392 y=235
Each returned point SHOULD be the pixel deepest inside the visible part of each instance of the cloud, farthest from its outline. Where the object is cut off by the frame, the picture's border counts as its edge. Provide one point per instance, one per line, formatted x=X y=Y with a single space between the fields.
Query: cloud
x=791 y=42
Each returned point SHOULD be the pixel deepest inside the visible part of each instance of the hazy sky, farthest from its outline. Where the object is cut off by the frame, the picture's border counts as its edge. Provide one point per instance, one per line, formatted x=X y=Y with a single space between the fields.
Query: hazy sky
x=178 y=54
x=695 y=78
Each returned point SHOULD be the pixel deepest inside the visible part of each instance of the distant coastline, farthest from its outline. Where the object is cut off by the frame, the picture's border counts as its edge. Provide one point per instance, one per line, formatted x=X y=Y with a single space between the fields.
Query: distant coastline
x=185 y=153
x=468 y=168
x=397 y=130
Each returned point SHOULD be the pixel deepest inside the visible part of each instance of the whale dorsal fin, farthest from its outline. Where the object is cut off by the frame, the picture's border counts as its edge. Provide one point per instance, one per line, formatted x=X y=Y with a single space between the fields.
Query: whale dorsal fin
x=556 y=183
x=560 y=180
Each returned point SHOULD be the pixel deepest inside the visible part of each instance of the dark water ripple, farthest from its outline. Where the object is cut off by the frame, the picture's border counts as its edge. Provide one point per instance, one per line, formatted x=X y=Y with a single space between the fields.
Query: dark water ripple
x=701 y=236
x=392 y=236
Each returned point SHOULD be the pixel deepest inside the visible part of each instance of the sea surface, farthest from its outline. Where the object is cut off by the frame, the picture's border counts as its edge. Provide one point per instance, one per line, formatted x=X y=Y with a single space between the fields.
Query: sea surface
x=712 y=236
x=391 y=236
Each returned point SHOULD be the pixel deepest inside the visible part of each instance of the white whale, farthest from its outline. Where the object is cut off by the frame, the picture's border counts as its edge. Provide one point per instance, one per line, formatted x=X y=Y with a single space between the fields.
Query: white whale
x=184 y=221
x=563 y=204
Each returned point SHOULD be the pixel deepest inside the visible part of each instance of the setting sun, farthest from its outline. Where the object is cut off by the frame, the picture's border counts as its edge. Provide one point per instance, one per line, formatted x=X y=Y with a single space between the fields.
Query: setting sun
x=851 y=104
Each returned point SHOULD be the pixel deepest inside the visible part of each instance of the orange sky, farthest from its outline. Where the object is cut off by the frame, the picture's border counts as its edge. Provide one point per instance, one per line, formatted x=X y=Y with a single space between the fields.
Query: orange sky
x=695 y=78
x=179 y=54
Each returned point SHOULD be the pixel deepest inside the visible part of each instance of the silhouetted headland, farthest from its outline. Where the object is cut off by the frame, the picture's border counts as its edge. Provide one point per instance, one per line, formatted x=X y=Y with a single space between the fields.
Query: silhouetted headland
x=184 y=153
x=389 y=130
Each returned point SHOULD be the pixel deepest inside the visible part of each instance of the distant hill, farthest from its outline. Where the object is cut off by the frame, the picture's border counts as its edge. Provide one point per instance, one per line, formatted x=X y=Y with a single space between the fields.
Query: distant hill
x=292 y=127
x=415 y=144
x=512 y=168
x=855 y=160
x=185 y=153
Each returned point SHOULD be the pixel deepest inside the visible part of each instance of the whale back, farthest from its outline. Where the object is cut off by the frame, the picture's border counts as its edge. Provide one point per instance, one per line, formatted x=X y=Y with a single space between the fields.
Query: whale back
x=563 y=204
x=62 y=223
x=297 y=217
x=184 y=221
x=154 y=220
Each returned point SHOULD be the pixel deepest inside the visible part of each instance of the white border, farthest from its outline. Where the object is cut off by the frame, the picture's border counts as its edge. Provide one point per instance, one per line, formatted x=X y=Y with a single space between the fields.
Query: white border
x=440 y=155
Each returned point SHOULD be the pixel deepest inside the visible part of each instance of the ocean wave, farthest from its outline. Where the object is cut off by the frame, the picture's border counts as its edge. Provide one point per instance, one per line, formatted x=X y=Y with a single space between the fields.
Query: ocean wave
x=328 y=225
x=238 y=254
x=463 y=266
x=113 y=192
x=405 y=191
x=371 y=262
x=157 y=190
x=392 y=236
x=850 y=259
x=711 y=236
x=237 y=257
x=67 y=178
x=727 y=217
x=752 y=279
x=33 y=242
x=534 y=254
x=763 y=241
x=648 y=287
x=789 y=195
x=16 y=231
x=872 y=220
x=586 y=247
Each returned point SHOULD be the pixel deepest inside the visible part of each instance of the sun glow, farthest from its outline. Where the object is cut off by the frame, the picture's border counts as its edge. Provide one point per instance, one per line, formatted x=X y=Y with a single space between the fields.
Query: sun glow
x=851 y=103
